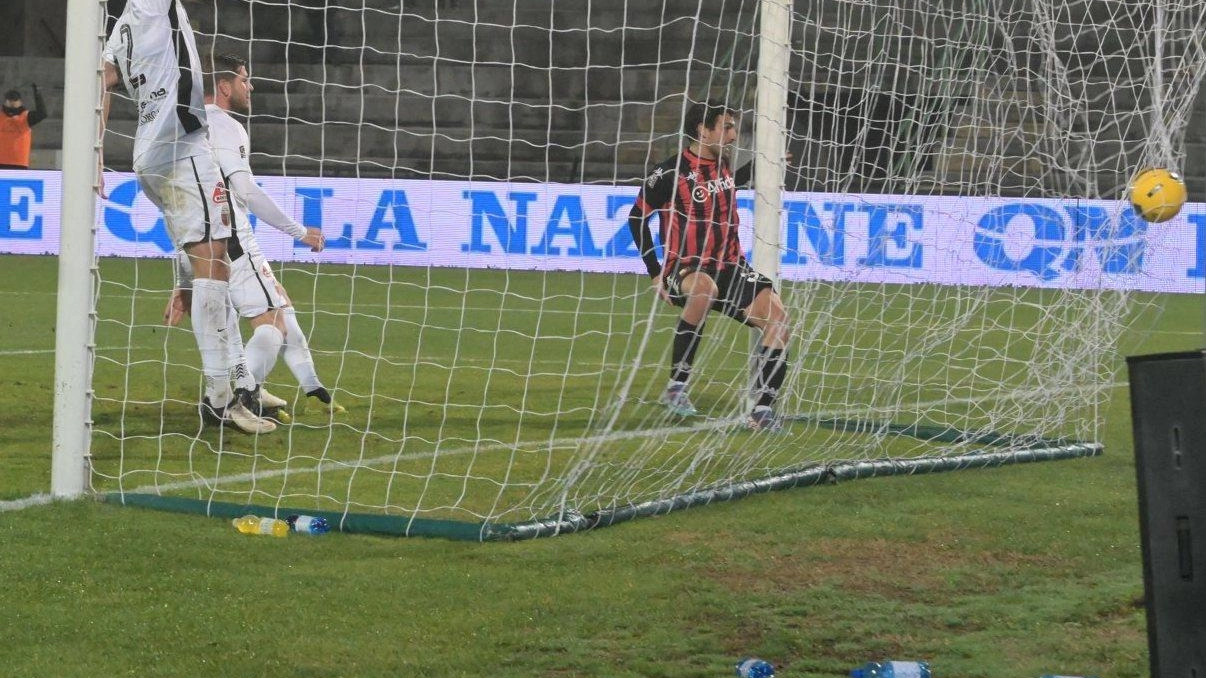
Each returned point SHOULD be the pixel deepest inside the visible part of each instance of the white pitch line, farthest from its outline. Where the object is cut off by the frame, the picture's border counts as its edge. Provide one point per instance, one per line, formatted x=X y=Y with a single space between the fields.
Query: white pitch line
x=397 y=359
x=100 y=349
x=25 y=502
x=712 y=424
x=394 y=358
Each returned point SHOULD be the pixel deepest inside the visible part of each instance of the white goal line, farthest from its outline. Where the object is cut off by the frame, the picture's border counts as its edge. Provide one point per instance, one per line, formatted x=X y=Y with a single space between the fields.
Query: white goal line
x=714 y=424
x=710 y=425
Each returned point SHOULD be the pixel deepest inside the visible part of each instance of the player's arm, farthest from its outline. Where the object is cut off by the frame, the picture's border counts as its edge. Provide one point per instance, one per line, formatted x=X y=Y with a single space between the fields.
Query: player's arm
x=38 y=114
x=110 y=77
x=181 y=300
x=263 y=206
x=651 y=198
x=638 y=223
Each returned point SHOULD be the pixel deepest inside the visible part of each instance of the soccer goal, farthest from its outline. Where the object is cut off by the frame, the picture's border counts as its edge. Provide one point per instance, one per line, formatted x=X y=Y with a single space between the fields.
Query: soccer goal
x=937 y=192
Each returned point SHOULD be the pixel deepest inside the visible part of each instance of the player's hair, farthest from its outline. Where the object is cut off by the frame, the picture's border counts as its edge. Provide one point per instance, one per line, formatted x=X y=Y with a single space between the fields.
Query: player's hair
x=704 y=113
x=12 y=95
x=226 y=68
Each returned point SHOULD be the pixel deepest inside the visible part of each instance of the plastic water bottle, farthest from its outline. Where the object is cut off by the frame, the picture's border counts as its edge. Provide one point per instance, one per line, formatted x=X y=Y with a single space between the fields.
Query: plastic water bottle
x=892 y=670
x=308 y=525
x=755 y=668
x=250 y=524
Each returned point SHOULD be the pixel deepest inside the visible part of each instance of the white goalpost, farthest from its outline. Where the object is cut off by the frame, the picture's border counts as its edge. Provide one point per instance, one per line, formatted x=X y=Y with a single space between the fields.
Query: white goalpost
x=937 y=193
x=74 y=323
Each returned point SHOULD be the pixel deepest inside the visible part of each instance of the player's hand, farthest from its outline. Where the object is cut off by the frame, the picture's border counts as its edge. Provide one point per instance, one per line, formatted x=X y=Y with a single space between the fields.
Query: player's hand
x=315 y=239
x=100 y=178
x=662 y=292
x=180 y=304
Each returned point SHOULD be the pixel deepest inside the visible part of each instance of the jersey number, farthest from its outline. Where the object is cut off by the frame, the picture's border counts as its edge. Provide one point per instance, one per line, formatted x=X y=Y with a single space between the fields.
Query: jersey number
x=128 y=37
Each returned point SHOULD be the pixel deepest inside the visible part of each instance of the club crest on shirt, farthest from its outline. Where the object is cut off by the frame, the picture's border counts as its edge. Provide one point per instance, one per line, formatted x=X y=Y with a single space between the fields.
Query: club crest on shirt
x=221 y=198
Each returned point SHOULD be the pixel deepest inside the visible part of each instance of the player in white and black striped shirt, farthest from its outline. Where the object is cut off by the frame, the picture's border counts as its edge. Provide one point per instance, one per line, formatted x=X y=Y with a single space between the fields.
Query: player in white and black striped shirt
x=153 y=53
x=254 y=290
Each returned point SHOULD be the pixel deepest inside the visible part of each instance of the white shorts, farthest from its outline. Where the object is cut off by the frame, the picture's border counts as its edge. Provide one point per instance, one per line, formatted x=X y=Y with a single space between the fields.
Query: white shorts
x=253 y=289
x=192 y=197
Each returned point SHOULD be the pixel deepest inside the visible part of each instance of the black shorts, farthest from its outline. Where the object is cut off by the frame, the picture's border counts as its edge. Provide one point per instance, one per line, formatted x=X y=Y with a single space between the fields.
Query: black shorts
x=737 y=286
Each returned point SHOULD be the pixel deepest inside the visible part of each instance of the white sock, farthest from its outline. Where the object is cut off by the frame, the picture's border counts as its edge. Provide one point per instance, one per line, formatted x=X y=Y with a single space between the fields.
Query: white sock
x=297 y=354
x=238 y=357
x=262 y=348
x=210 y=301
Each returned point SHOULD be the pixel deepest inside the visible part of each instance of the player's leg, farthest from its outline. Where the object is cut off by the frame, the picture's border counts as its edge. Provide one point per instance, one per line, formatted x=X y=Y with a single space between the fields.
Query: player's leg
x=301 y=364
x=194 y=210
x=240 y=374
x=253 y=292
x=767 y=314
x=212 y=318
x=209 y=312
x=261 y=298
x=267 y=338
x=695 y=291
x=189 y=215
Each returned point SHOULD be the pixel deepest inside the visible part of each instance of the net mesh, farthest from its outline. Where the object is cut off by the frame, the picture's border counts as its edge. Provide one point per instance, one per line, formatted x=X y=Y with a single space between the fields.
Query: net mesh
x=510 y=389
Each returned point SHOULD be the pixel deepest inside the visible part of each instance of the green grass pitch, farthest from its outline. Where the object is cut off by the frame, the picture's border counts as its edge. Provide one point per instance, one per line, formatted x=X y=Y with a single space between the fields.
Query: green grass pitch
x=1013 y=571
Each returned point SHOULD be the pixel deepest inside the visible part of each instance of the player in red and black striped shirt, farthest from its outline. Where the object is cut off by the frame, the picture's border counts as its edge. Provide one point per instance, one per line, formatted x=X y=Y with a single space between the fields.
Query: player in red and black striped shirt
x=694 y=194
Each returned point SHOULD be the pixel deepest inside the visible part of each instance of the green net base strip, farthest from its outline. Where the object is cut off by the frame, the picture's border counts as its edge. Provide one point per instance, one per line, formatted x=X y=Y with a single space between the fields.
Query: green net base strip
x=361 y=523
x=573 y=521
x=816 y=475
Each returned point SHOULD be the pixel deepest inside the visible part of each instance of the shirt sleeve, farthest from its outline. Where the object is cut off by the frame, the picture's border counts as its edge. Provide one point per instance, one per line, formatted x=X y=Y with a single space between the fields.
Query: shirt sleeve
x=151 y=7
x=38 y=114
x=183 y=272
x=230 y=143
x=655 y=195
x=262 y=206
x=112 y=45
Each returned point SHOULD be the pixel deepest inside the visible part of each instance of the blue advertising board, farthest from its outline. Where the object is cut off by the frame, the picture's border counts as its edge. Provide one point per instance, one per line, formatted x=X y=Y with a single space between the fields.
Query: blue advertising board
x=1070 y=243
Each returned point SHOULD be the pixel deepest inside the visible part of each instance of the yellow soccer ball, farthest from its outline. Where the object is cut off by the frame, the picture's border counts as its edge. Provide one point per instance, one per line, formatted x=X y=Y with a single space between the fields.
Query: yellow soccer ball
x=1158 y=194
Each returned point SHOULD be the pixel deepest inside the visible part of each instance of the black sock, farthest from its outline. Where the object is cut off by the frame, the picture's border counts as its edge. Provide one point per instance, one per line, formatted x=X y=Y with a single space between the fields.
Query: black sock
x=686 y=340
x=771 y=375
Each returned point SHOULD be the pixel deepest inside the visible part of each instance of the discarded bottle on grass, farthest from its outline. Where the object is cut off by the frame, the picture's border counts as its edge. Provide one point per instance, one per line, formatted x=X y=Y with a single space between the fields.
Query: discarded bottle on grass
x=250 y=524
x=308 y=525
x=755 y=668
x=892 y=670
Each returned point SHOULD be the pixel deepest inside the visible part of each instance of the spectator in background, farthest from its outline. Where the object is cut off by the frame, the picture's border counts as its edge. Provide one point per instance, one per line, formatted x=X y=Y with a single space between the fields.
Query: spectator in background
x=16 y=134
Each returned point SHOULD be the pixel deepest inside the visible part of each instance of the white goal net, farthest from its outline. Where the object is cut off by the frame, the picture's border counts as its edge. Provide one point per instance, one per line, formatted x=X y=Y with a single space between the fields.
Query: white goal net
x=954 y=259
